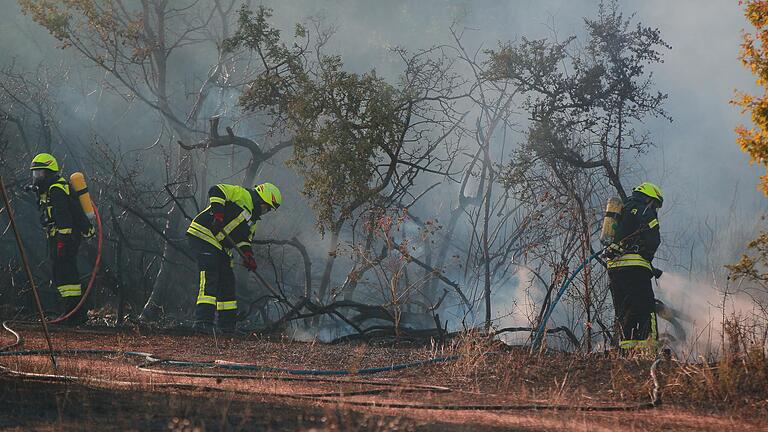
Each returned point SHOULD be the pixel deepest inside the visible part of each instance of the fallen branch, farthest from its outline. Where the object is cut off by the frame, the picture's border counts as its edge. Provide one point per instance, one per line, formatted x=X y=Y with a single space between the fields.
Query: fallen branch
x=566 y=330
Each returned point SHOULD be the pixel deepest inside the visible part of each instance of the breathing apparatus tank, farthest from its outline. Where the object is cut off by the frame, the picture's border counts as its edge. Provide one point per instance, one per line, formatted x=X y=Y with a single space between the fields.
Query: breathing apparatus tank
x=77 y=180
x=611 y=220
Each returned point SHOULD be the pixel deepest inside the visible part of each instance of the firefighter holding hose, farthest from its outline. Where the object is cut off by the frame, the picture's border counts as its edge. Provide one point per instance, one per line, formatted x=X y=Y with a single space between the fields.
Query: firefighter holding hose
x=64 y=222
x=228 y=222
x=630 y=254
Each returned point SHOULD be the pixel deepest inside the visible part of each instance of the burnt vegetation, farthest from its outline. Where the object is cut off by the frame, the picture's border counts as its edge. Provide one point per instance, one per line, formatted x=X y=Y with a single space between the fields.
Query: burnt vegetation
x=434 y=203
x=418 y=204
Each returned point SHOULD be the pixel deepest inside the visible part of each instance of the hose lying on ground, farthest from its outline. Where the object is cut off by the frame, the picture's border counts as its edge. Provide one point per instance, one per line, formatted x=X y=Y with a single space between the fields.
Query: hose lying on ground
x=302 y=375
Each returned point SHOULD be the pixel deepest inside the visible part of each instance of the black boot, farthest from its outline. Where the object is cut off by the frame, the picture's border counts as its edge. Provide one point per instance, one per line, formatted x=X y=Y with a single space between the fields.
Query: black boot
x=204 y=314
x=227 y=320
x=80 y=316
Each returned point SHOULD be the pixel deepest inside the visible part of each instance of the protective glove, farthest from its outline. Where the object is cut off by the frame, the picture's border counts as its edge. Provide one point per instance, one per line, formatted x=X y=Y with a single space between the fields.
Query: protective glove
x=248 y=261
x=657 y=272
x=218 y=222
x=612 y=251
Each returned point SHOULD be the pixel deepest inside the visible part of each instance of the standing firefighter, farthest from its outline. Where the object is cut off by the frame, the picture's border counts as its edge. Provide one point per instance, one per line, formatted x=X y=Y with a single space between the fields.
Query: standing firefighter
x=629 y=267
x=64 y=222
x=228 y=222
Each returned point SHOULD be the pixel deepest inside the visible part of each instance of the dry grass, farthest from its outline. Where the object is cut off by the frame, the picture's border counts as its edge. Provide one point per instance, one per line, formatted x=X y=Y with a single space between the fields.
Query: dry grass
x=472 y=349
x=485 y=372
x=736 y=381
x=488 y=367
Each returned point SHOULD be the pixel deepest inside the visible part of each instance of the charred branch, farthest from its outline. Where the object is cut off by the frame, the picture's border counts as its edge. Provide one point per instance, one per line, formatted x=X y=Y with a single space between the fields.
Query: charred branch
x=304 y=255
x=258 y=155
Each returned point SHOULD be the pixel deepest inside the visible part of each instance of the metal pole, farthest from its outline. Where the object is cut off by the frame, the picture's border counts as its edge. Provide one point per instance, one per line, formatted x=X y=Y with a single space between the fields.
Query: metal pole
x=29 y=272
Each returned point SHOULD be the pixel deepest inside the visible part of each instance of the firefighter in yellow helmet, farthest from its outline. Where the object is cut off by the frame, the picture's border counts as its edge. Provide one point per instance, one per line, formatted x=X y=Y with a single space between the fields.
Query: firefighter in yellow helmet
x=630 y=270
x=228 y=222
x=62 y=219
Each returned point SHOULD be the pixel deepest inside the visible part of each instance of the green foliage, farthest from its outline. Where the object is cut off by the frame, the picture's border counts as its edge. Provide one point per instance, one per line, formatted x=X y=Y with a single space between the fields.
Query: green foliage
x=254 y=32
x=754 y=55
x=754 y=140
x=51 y=15
x=346 y=127
x=582 y=103
x=753 y=268
x=342 y=125
x=92 y=26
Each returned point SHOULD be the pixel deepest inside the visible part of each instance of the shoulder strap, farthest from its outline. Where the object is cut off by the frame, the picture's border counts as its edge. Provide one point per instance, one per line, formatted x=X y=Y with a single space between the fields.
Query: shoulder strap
x=60 y=184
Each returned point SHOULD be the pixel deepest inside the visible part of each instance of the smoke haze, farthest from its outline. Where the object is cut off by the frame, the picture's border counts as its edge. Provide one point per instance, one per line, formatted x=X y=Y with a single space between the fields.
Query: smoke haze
x=709 y=185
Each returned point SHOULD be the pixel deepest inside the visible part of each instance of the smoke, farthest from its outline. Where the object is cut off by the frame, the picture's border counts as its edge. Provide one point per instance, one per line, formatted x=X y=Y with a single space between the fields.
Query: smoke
x=706 y=304
x=696 y=160
x=517 y=304
x=301 y=334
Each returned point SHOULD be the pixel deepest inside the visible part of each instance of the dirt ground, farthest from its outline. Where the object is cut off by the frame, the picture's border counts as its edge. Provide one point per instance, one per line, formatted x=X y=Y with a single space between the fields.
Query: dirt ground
x=485 y=388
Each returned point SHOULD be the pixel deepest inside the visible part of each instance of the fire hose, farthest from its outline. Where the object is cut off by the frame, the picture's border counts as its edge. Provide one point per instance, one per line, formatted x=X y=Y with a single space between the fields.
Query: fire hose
x=542 y=327
x=149 y=363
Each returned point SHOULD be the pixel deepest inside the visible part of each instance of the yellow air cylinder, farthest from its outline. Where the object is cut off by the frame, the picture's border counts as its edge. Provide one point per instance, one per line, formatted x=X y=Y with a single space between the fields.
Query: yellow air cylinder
x=77 y=180
x=611 y=220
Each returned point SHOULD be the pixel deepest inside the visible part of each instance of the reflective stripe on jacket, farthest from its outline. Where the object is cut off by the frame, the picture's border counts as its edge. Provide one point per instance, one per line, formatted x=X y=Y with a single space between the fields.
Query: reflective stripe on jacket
x=236 y=202
x=55 y=205
x=628 y=260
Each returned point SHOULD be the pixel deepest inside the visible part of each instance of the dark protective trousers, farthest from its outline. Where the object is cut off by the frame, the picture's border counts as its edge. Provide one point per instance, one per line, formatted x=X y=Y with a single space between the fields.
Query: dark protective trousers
x=66 y=278
x=216 y=289
x=634 y=303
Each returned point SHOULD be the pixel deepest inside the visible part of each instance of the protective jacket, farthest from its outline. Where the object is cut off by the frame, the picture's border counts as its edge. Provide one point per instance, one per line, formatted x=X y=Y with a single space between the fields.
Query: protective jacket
x=216 y=295
x=56 y=206
x=637 y=234
x=240 y=216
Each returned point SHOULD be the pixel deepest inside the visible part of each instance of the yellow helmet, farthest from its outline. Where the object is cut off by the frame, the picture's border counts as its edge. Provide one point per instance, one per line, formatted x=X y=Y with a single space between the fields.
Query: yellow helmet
x=270 y=194
x=44 y=161
x=651 y=190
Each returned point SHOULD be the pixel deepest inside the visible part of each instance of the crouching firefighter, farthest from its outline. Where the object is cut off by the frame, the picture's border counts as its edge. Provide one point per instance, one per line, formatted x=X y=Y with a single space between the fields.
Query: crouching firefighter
x=629 y=268
x=228 y=222
x=64 y=222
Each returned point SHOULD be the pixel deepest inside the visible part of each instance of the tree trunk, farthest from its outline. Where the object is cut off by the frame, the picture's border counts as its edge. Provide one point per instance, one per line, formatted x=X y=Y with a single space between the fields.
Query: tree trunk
x=587 y=294
x=325 y=281
x=486 y=252
x=453 y=220
x=163 y=287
